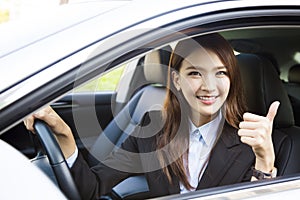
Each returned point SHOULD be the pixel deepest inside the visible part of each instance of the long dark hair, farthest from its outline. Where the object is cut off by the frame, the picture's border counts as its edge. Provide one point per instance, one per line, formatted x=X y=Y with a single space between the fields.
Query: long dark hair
x=175 y=134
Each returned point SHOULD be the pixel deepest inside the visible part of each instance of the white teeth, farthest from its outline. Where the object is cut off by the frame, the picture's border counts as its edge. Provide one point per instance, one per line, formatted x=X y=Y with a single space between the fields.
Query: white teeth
x=206 y=98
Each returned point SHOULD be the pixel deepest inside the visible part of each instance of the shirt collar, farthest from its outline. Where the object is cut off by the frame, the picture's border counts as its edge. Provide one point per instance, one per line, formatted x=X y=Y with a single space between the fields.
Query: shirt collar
x=209 y=131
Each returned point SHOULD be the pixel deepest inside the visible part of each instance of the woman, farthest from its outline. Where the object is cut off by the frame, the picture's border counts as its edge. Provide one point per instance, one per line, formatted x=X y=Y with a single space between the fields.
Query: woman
x=206 y=139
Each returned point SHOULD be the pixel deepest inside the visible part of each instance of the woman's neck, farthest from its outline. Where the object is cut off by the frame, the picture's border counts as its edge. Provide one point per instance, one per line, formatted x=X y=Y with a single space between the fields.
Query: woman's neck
x=199 y=120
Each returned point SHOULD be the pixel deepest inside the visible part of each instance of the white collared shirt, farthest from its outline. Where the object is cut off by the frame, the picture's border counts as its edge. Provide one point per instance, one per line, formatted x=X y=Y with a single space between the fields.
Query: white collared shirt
x=202 y=140
x=71 y=160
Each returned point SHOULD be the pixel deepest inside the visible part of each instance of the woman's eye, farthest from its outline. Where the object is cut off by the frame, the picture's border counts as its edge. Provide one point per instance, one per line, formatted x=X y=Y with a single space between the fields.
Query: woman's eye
x=194 y=73
x=220 y=73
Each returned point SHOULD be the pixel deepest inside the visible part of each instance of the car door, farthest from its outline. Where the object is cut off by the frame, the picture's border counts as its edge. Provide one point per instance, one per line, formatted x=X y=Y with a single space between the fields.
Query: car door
x=89 y=103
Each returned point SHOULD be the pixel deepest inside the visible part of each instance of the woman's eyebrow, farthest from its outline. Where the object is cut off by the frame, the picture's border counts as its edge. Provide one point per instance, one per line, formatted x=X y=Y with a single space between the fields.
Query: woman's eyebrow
x=192 y=68
x=221 y=67
x=200 y=67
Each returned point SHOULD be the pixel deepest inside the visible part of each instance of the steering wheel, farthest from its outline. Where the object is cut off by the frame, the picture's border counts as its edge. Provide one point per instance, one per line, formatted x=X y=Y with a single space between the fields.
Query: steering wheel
x=57 y=160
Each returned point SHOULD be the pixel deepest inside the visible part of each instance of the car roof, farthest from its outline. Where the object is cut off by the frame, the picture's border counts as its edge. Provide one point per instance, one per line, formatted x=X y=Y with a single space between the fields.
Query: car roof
x=44 y=22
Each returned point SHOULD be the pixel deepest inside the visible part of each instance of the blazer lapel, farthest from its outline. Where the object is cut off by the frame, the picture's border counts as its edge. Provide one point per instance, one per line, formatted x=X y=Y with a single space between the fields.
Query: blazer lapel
x=221 y=158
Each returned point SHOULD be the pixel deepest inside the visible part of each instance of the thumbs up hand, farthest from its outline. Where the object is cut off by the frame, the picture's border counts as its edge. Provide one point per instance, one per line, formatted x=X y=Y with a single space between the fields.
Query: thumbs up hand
x=256 y=131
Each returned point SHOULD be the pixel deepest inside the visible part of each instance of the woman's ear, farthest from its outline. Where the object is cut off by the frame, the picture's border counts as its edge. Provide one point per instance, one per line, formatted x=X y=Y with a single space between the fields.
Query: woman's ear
x=176 y=81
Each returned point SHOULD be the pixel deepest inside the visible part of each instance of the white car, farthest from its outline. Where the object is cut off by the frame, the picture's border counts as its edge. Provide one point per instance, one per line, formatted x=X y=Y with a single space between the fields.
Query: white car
x=87 y=60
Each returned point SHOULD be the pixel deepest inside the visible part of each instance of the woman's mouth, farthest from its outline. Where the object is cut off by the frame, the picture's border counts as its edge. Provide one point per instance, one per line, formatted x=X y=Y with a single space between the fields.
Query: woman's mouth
x=208 y=100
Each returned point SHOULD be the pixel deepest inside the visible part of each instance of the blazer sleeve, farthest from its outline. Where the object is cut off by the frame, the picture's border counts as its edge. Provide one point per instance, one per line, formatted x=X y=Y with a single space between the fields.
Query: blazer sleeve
x=100 y=179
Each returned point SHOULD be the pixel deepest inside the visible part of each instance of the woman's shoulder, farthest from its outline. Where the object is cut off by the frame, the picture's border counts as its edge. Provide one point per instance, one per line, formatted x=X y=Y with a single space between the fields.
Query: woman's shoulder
x=152 y=117
x=143 y=139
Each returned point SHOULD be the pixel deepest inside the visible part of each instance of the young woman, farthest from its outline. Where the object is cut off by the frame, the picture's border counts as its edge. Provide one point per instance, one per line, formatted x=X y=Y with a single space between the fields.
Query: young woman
x=206 y=138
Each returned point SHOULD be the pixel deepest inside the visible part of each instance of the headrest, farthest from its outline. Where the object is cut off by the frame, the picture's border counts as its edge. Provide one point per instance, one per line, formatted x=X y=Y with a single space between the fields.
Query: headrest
x=263 y=86
x=294 y=74
x=156 y=65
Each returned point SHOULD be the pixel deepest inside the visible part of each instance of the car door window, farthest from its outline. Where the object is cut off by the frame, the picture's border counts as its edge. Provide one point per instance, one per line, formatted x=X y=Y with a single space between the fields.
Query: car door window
x=106 y=82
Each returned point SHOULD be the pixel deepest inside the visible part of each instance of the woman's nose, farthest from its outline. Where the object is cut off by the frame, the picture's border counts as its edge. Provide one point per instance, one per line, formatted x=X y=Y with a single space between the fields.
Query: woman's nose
x=208 y=84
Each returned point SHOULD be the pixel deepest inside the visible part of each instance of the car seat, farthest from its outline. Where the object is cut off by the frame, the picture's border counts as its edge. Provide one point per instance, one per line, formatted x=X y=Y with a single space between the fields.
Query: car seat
x=149 y=97
x=293 y=89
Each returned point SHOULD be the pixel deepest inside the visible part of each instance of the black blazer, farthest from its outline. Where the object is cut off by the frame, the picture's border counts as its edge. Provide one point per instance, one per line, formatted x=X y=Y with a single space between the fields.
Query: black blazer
x=230 y=162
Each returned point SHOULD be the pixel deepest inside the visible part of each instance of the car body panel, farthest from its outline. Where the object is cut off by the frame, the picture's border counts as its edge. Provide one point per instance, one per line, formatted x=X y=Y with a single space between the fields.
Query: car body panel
x=259 y=191
x=17 y=170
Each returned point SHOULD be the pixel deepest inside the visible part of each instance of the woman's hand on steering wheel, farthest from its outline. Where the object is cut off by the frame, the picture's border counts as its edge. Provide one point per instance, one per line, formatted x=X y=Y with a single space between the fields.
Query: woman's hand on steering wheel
x=60 y=129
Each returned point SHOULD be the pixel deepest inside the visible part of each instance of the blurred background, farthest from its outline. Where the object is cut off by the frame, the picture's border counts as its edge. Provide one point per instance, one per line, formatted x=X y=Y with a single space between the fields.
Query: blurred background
x=15 y=9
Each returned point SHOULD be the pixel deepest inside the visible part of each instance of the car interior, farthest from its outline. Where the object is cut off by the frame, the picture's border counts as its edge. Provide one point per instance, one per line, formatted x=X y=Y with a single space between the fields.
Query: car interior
x=292 y=87
x=267 y=73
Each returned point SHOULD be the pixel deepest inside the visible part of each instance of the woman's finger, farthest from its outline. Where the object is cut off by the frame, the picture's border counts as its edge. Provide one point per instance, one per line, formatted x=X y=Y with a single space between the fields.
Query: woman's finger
x=273 y=110
x=252 y=117
x=29 y=123
x=250 y=141
x=247 y=133
x=254 y=125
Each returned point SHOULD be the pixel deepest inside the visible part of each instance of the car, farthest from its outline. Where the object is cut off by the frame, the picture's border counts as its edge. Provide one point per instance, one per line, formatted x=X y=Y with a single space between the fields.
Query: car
x=100 y=65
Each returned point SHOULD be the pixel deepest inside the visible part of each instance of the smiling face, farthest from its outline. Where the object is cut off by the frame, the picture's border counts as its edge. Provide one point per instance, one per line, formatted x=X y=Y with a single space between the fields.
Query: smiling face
x=204 y=82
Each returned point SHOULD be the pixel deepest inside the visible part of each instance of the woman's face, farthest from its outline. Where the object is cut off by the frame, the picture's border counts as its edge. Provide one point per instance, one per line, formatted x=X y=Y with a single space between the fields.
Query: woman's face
x=204 y=83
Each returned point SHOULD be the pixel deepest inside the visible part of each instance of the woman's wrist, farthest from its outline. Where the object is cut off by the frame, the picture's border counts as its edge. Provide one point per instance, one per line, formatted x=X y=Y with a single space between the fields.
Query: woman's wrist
x=265 y=164
x=259 y=175
x=265 y=159
x=66 y=142
x=264 y=168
